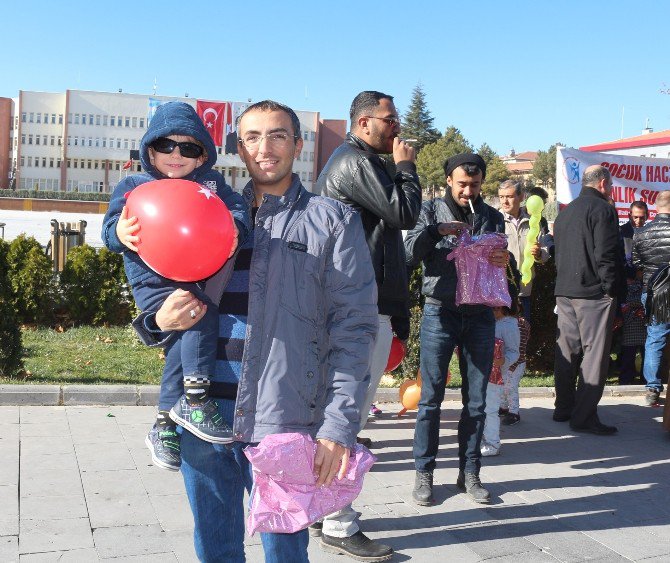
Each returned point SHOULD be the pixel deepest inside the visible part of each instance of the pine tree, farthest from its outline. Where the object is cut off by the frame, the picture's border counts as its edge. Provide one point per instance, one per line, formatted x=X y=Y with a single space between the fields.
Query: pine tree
x=417 y=123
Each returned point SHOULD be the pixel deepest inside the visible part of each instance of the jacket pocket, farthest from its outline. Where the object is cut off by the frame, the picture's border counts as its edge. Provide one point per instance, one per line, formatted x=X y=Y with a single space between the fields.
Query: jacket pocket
x=301 y=281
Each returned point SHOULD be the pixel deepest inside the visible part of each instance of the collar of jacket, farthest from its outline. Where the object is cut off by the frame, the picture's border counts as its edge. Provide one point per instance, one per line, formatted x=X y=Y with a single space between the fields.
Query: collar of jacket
x=359 y=143
x=290 y=196
x=592 y=192
x=523 y=215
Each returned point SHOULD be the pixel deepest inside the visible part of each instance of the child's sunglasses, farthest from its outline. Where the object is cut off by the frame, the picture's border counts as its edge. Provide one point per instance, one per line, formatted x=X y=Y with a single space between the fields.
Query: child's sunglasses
x=186 y=149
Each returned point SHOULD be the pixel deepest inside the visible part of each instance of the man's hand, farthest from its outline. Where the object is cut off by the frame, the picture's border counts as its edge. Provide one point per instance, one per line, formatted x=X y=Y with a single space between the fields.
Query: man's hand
x=452 y=228
x=331 y=460
x=536 y=251
x=126 y=230
x=180 y=311
x=499 y=257
x=402 y=151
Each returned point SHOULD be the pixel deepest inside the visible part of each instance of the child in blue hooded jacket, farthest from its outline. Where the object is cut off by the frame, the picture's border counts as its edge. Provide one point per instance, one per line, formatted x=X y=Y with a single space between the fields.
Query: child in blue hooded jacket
x=176 y=145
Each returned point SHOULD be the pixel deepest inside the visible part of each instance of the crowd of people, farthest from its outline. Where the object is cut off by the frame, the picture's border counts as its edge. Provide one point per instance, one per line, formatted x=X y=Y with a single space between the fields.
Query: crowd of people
x=294 y=332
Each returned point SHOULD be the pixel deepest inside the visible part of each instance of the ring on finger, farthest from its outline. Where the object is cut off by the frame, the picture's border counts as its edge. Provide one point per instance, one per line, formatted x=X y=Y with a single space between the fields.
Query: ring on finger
x=192 y=313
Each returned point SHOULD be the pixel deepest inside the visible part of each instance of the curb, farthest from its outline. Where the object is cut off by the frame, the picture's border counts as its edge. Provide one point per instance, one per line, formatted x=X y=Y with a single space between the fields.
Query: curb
x=147 y=395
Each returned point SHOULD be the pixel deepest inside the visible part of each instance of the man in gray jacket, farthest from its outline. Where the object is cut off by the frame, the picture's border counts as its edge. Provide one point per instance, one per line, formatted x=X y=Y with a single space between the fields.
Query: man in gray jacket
x=297 y=321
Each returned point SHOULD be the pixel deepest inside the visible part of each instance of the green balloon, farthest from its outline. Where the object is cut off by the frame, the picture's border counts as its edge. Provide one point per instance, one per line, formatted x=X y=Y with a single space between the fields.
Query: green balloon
x=534 y=205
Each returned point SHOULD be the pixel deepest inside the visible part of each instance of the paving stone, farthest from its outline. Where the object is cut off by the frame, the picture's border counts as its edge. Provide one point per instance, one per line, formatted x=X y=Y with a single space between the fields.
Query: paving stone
x=104 y=456
x=9 y=548
x=54 y=483
x=39 y=463
x=9 y=415
x=54 y=535
x=58 y=428
x=9 y=472
x=125 y=541
x=69 y=556
x=9 y=515
x=53 y=508
x=173 y=511
x=181 y=542
x=39 y=445
x=122 y=511
x=109 y=484
x=43 y=415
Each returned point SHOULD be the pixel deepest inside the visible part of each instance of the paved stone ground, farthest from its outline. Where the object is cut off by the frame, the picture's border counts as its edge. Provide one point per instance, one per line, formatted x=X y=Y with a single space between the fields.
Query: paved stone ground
x=77 y=484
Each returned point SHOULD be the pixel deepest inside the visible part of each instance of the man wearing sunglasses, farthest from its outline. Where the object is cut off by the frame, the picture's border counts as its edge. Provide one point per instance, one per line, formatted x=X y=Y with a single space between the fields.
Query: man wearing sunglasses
x=298 y=319
x=388 y=199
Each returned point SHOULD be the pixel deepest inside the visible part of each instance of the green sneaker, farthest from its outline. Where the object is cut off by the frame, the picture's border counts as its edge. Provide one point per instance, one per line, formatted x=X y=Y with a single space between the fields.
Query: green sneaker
x=203 y=420
x=165 y=448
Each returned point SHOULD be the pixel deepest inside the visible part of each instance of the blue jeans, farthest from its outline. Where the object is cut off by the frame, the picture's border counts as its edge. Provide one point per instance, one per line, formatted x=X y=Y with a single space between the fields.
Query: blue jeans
x=657 y=334
x=193 y=351
x=525 y=307
x=216 y=477
x=441 y=331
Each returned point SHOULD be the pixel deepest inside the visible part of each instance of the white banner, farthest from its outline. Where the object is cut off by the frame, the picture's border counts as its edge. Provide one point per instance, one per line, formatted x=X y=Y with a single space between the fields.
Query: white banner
x=634 y=178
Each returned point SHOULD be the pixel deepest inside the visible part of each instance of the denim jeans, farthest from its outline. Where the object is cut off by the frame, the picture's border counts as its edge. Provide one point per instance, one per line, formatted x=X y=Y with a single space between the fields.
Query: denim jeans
x=441 y=331
x=525 y=306
x=193 y=351
x=657 y=334
x=216 y=477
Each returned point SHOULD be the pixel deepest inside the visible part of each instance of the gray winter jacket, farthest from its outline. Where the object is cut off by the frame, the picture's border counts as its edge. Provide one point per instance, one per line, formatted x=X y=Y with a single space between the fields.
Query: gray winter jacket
x=311 y=323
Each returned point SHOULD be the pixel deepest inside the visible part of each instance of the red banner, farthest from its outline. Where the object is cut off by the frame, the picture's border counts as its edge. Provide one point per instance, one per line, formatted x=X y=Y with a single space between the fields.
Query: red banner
x=214 y=115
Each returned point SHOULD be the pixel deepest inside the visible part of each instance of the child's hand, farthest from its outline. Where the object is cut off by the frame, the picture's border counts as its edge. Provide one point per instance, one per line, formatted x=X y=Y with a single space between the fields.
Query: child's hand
x=498 y=362
x=235 y=236
x=126 y=229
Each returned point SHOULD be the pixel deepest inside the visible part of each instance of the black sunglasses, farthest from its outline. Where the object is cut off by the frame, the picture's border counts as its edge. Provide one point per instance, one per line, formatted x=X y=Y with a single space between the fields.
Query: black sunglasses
x=186 y=149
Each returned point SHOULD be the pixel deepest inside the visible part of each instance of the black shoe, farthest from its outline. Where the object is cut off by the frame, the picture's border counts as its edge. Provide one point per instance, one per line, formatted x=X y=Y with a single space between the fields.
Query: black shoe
x=510 y=419
x=423 y=488
x=470 y=483
x=558 y=417
x=164 y=445
x=503 y=412
x=358 y=546
x=651 y=398
x=597 y=428
x=315 y=529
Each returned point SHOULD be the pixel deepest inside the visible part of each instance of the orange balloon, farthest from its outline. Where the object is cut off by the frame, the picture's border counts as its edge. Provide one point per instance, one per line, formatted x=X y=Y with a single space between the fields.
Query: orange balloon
x=410 y=393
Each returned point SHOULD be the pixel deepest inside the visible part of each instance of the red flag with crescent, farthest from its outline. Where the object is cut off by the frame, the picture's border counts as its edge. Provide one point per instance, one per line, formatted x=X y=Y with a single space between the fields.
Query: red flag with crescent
x=214 y=115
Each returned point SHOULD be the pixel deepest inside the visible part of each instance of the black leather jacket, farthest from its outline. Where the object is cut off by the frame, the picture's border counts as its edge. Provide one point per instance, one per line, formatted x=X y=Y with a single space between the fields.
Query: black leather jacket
x=425 y=244
x=388 y=204
x=651 y=246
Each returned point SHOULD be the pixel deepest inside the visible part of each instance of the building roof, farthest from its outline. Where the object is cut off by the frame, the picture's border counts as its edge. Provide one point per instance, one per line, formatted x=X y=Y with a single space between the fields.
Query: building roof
x=520 y=167
x=644 y=140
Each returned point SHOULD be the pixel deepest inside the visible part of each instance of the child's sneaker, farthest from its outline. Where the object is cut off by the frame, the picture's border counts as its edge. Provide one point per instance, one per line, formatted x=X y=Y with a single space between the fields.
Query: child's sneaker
x=375 y=411
x=165 y=448
x=203 y=420
x=488 y=450
x=510 y=419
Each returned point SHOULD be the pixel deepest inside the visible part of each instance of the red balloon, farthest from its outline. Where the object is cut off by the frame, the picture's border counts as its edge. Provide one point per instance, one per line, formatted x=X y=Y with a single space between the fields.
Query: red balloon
x=396 y=355
x=186 y=231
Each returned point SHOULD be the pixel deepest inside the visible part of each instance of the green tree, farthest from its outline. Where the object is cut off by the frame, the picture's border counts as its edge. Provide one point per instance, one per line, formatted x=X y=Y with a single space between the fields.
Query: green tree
x=544 y=167
x=430 y=161
x=496 y=171
x=11 y=345
x=80 y=283
x=417 y=122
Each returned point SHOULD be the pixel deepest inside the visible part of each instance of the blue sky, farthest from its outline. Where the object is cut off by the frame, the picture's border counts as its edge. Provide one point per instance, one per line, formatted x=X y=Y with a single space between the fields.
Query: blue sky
x=519 y=75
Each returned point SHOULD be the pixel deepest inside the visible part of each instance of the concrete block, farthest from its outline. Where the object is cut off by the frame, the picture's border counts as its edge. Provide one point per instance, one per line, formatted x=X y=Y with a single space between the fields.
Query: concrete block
x=536 y=392
x=147 y=395
x=99 y=395
x=9 y=548
x=122 y=511
x=103 y=456
x=126 y=541
x=55 y=535
x=53 y=508
x=30 y=395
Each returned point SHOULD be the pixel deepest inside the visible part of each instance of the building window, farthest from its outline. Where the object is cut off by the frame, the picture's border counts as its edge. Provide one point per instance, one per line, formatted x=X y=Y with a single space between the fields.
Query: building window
x=60 y=119
x=44 y=162
x=69 y=118
x=90 y=141
x=104 y=142
x=132 y=144
x=30 y=161
x=97 y=120
x=306 y=136
x=76 y=119
x=83 y=119
x=112 y=120
x=76 y=141
x=60 y=141
x=44 y=140
x=127 y=121
x=89 y=164
x=30 y=139
x=31 y=117
x=96 y=164
x=97 y=142
x=69 y=163
x=312 y=136
x=104 y=120
x=311 y=157
x=51 y=163
x=53 y=119
x=142 y=122
x=53 y=140
x=38 y=118
x=90 y=120
x=58 y=163
x=24 y=117
x=23 y=138
x=23 y=161
x=311 y=176
x=75 y=162
x=118 y=143
x=134 y=121
x=69 y=140
x=37 y=139
x=125 y=143
x=117 y=165
x=119 y=121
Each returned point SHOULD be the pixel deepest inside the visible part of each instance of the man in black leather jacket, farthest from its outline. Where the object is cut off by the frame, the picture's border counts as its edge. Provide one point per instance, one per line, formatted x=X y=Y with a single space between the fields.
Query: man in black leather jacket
x=388 y=203
x=651 y=250
x=445 y=326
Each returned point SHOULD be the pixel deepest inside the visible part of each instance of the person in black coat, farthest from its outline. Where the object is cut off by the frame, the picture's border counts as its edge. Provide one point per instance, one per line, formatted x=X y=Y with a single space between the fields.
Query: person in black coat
x=587 y=282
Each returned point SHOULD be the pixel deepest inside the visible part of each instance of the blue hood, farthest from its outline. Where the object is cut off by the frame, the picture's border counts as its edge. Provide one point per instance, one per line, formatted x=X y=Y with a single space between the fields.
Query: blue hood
x=177 y=118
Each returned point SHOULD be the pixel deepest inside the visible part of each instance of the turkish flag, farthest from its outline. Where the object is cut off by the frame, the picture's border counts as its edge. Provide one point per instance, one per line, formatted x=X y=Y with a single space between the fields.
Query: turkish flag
x=214 y=115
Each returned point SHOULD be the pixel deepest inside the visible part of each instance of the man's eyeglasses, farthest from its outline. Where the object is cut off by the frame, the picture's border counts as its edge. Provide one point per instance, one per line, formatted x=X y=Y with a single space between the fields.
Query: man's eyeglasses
x=279 y=139
x=186 y=149
x=390 y=121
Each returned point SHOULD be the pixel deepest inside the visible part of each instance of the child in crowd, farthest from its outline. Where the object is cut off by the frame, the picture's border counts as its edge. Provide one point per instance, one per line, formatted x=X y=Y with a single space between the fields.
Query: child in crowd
x=176 y=145
x=509 y=402
x=507 y=332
